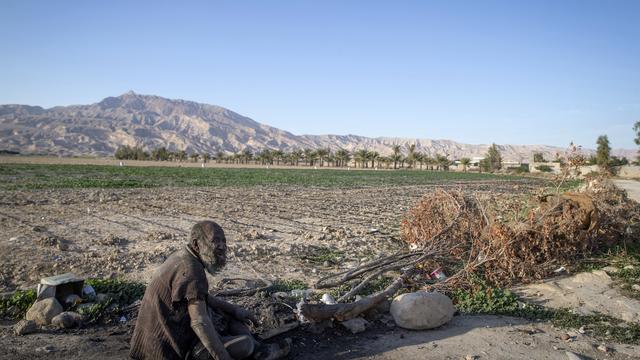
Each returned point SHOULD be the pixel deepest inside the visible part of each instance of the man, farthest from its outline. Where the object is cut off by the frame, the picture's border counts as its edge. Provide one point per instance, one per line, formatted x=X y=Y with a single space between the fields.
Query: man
x=179 y=319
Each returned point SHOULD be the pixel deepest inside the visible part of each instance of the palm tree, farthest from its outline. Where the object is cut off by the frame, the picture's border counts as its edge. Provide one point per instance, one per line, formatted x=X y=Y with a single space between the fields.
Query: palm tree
x=219 y=156
x=420 y=157
x=342 y=157
x=465 y=162
x=396 y=155
x=373 y=156
x=181 y=155
x=360 y=156
x=443 y=162
x=278 y=155
x=411 y=155
x=308 y=156
x=322 y=154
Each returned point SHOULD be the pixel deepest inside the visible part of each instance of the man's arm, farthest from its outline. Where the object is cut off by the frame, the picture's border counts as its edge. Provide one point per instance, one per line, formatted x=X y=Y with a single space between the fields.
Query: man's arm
x=204 y=329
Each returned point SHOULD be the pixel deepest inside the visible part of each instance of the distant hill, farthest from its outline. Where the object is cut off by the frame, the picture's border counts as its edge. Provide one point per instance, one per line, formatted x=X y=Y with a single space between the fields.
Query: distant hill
x=152 y=121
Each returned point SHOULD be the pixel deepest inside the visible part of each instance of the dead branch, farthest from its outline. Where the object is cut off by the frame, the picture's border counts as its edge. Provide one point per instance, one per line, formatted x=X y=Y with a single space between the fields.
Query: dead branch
x=342 y=312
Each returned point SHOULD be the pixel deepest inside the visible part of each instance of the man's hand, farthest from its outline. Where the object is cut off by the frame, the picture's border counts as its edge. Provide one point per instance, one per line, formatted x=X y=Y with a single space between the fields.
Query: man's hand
x=236 y=311
x=202 y=326
x=244 y=315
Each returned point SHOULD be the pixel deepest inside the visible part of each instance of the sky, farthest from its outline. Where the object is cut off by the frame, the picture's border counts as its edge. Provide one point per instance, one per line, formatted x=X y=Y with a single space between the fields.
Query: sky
x=510 y=72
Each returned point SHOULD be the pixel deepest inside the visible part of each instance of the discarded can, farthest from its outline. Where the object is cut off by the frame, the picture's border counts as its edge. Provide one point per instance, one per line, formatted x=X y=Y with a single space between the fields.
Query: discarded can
x=439 y=274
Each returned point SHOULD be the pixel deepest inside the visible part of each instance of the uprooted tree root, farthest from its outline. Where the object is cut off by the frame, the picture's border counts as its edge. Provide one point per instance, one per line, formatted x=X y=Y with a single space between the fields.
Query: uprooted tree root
x=506 y=241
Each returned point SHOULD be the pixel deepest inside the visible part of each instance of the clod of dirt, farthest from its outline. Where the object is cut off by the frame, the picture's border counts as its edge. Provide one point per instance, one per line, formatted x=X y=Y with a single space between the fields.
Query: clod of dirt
x=157 y=236
x=113 y=240
x=254 y=234
x=48 y=240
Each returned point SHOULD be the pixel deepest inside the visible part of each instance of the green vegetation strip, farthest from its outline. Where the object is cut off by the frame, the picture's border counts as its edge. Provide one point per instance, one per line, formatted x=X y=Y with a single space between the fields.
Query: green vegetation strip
x=484 y=299
x=36 y=176
x=119 y=293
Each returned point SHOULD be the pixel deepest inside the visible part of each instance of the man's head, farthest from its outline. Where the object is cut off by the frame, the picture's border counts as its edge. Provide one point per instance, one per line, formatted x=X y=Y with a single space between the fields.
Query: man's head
x=208 y=241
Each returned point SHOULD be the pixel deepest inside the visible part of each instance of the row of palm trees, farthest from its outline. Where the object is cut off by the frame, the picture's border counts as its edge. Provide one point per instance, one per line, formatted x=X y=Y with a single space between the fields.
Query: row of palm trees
x=363 y=158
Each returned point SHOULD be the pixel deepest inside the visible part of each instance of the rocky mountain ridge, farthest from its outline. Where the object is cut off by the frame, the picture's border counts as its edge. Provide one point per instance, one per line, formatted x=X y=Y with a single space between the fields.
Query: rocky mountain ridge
x=151 y=121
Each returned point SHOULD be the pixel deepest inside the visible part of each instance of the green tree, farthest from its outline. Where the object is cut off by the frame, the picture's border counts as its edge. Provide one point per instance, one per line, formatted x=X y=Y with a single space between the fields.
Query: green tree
x=465 y=162
x=160 y=154
x=342 y=157
x=411 y=155
x=636 y=128
x=396 y=155
x=538 y=157
x=322 y=154
x=181 y=155
x=493 y=160
x=360 y=156
x=443 y=162
x=603 y=152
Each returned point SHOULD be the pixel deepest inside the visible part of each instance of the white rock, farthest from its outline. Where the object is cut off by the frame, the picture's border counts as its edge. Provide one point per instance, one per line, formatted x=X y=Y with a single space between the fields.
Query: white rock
x=610 y=269
x=356 y=325
x=43 y=311
x=422 y=310
x=328 y=299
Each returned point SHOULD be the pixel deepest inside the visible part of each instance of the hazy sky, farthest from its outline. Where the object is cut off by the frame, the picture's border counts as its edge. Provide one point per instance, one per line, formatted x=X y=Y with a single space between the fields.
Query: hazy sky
x=537 y=72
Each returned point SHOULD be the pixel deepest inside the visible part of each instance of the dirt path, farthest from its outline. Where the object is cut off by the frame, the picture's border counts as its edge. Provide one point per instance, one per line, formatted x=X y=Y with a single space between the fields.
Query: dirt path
x=631 y=186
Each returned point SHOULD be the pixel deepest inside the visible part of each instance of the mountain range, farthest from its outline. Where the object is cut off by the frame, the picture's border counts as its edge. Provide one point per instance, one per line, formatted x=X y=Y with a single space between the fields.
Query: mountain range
x=152 y=121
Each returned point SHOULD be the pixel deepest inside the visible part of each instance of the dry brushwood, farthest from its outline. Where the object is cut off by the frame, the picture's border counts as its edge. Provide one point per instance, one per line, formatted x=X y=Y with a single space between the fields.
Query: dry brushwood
x=508 y=241
x=408 y=262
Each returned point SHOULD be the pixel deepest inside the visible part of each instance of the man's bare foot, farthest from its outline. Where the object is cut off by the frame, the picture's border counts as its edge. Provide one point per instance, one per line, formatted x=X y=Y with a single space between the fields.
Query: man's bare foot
x=273 y=351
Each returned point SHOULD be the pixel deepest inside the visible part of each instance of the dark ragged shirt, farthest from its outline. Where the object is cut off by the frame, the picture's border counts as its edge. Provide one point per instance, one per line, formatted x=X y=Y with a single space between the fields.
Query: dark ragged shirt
x=163 y=329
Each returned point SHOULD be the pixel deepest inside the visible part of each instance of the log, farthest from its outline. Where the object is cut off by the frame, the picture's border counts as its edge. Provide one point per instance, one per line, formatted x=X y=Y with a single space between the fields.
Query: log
x=343 y=312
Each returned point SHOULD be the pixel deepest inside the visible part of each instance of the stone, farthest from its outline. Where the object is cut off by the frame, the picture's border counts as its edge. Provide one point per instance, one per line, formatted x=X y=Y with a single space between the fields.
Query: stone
x=610 y=269
x=43 y=311
x=24 y=327
x=47 y=349
x=604 y=348
x=422 y=310
x=635 y=287
x=356 y=325
x=328 y=299
x=67 y=320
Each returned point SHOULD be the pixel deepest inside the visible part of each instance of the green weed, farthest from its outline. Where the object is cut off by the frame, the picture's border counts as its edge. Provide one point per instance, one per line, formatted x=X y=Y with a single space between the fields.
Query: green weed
x=16 y=305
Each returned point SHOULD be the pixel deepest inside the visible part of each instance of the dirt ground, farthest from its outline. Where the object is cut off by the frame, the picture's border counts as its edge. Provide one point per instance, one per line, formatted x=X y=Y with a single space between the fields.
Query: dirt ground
x=273 y=233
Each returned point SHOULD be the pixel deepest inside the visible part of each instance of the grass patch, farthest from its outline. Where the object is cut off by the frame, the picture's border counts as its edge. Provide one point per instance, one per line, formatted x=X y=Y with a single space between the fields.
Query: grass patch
x=15 y=306
x=485 y=299
x=321 y=254
x=120 y=293
x=39 y=176
x=287 y=286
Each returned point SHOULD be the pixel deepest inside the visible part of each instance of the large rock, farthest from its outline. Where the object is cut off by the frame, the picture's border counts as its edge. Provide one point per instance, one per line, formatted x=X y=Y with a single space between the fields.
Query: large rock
x=422 y=310
x=24 y=327
x=43 y=311
x=67 y=320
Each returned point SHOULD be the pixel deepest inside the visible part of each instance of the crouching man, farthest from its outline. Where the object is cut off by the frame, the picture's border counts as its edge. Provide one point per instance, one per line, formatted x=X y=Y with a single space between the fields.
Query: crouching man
x=179 y=319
